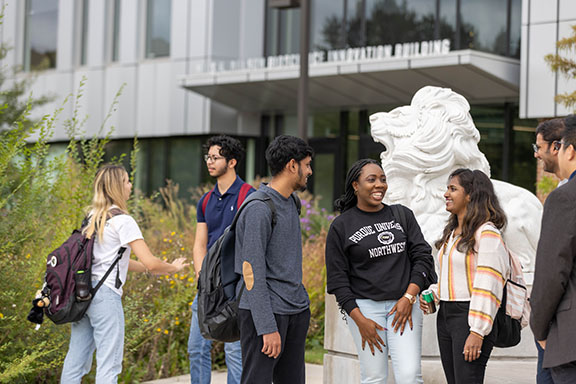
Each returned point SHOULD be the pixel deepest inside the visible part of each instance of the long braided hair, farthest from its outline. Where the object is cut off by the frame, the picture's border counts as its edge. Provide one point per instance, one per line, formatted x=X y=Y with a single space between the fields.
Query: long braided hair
x=348 y=199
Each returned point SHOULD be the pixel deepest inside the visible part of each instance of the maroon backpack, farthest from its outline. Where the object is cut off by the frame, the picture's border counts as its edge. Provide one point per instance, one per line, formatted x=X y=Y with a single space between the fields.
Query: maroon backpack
x=67 y=290
x=244 y=189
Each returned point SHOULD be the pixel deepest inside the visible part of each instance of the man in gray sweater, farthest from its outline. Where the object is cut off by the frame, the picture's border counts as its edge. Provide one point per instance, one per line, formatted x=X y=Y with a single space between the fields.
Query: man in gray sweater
x=274 y=308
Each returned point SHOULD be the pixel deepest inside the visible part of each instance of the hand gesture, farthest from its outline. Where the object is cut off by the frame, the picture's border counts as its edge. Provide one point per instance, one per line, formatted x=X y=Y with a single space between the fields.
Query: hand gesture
x=402 y=312
x=368 y=330
x=180 y=263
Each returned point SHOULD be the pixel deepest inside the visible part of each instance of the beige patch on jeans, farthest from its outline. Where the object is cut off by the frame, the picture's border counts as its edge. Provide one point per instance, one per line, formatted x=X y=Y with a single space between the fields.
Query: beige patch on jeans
x=248 y=274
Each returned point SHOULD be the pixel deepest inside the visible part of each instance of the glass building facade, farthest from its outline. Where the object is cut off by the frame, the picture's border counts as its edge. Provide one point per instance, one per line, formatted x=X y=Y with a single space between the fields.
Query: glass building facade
x=489 y=25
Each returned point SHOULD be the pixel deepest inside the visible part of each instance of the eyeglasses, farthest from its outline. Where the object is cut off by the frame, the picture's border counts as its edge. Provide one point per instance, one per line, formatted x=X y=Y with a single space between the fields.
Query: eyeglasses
x=557 y=144
x=212 y=158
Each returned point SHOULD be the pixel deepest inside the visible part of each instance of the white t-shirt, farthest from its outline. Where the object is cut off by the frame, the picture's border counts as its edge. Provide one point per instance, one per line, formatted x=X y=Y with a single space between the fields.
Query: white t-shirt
x=119 y=231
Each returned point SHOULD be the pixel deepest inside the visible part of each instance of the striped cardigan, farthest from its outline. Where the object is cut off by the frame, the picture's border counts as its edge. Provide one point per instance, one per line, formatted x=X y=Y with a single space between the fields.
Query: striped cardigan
x=477 y=277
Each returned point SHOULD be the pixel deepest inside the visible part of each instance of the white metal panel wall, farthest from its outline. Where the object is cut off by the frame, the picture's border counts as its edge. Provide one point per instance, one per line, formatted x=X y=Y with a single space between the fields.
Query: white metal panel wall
x=67 y=36
x=544 y=22
x=129 y=44
x=226 y=29
x=543 y=11
x=541 y=86
x=96 y=41
x=91 y=102
x=200 y=19
x=10 y=26
x=252 y=28
x=152 y=104
x=180 y=29
x=124 y=119
x=567 y=10
x=564 y=84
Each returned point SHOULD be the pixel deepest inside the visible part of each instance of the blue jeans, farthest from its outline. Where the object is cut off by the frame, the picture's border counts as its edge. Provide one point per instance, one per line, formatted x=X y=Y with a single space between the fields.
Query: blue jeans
x=200 y=358
x=543 y=375
x=101 y=330
x=405 y=350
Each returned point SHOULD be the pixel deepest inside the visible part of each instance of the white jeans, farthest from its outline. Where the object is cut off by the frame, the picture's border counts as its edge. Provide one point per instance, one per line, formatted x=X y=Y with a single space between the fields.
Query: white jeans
x=405 y=351
x=101 y=329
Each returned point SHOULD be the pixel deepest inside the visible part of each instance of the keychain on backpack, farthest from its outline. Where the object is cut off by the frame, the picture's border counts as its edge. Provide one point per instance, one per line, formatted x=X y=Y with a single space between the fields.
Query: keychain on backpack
x=41 y=301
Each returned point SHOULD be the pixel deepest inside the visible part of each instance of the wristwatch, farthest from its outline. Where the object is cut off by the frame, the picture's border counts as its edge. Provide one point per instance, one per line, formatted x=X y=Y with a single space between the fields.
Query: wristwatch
x=411 y=298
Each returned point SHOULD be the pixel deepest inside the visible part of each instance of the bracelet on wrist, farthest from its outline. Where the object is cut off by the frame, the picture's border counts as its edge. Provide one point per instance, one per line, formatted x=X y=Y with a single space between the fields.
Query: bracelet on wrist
x=477 y=335
x=411 y=298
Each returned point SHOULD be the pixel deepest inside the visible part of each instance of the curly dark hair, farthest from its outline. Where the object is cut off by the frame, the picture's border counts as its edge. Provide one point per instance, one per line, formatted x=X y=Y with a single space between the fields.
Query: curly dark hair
x=349 y=199
x=482 y=207
x=230 y=147
x=551 y=130
x=285 y=148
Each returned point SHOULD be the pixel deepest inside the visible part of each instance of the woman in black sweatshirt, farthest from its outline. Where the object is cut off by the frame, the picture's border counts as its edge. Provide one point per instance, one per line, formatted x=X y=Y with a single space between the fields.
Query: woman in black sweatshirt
x=376 y=265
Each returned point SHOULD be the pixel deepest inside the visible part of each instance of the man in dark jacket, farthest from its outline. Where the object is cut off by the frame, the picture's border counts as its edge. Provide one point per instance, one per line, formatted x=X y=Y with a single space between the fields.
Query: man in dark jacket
x=553 y=313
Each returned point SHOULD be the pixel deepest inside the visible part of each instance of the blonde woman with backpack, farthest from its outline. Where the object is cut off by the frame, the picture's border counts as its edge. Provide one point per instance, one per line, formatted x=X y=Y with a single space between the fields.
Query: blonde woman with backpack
x=102 y=327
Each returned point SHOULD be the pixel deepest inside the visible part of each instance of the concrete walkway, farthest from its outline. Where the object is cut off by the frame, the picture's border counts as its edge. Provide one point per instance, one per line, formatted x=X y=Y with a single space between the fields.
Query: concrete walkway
x=313 y=375
x=522 y=371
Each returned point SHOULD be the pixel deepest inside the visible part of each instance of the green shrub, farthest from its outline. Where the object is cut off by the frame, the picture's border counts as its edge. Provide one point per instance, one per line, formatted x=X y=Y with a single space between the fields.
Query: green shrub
x=43 y=197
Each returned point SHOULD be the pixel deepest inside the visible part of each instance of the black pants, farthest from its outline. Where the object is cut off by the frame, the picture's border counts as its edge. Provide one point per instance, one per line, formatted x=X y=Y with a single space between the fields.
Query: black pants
x=289 y=366
x=453 y=330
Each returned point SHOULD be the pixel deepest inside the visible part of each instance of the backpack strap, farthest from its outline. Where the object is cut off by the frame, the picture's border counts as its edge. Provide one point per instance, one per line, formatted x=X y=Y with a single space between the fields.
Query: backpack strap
x=400 y=215
x=244 y=189
x=97 y=287
x=118 y=283
x=256 y=196
x=205 y=201
x=297 y=201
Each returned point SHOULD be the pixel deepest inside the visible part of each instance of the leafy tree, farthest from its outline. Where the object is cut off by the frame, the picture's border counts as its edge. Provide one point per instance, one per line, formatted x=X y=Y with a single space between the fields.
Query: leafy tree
x=566 y=65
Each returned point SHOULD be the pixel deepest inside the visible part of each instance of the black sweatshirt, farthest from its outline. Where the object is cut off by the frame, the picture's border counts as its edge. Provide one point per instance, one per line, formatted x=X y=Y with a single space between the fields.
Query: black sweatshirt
x=370 y=256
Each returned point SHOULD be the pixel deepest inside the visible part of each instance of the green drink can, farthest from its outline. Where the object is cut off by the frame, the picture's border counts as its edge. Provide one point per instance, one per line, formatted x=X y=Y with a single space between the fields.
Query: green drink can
x=428 y=297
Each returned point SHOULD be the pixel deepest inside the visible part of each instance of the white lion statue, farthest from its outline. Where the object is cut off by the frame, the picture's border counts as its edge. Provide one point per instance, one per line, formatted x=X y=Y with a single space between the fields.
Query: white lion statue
x=428 y=139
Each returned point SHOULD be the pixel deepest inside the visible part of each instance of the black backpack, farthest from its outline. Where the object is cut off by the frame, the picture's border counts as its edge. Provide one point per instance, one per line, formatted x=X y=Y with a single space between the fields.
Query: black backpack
x=67 y=291
x=217 y=299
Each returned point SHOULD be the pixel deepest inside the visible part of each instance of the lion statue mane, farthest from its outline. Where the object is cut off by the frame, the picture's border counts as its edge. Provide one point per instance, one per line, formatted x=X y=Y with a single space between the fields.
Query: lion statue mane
x=428 y=139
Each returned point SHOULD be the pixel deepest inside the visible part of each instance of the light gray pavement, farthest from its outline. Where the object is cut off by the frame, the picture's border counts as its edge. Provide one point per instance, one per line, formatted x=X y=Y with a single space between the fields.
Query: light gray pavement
x=508 y=371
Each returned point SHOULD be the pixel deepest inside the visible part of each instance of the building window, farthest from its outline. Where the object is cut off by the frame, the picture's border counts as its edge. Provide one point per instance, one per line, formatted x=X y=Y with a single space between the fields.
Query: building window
x=115 y=32
x=41 y=34
x=327 y=24
x=490 y=25
x=485 y=25
x=158 y=20
x=515 y=28
x=391 y=22
x=84 y=32
x=283 y=31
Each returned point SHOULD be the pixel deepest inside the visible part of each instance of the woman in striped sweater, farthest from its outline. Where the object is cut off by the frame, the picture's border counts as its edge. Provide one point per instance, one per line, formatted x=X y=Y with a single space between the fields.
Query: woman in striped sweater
x=473 y=260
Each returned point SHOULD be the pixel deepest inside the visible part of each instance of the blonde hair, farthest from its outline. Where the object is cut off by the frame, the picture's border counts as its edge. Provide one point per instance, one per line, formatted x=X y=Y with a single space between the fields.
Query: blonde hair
x=108 y=191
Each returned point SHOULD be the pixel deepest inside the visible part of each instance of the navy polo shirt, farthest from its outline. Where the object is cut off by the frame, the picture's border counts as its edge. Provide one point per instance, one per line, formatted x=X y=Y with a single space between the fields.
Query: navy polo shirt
x=220 y=209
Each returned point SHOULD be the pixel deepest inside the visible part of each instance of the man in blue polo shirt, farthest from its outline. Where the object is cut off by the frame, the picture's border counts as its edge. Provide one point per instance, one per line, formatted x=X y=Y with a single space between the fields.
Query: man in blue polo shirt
x=215 y=211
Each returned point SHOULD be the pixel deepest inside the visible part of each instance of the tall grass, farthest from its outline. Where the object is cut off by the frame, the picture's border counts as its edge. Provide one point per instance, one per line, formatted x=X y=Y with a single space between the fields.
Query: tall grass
x=42 y=199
